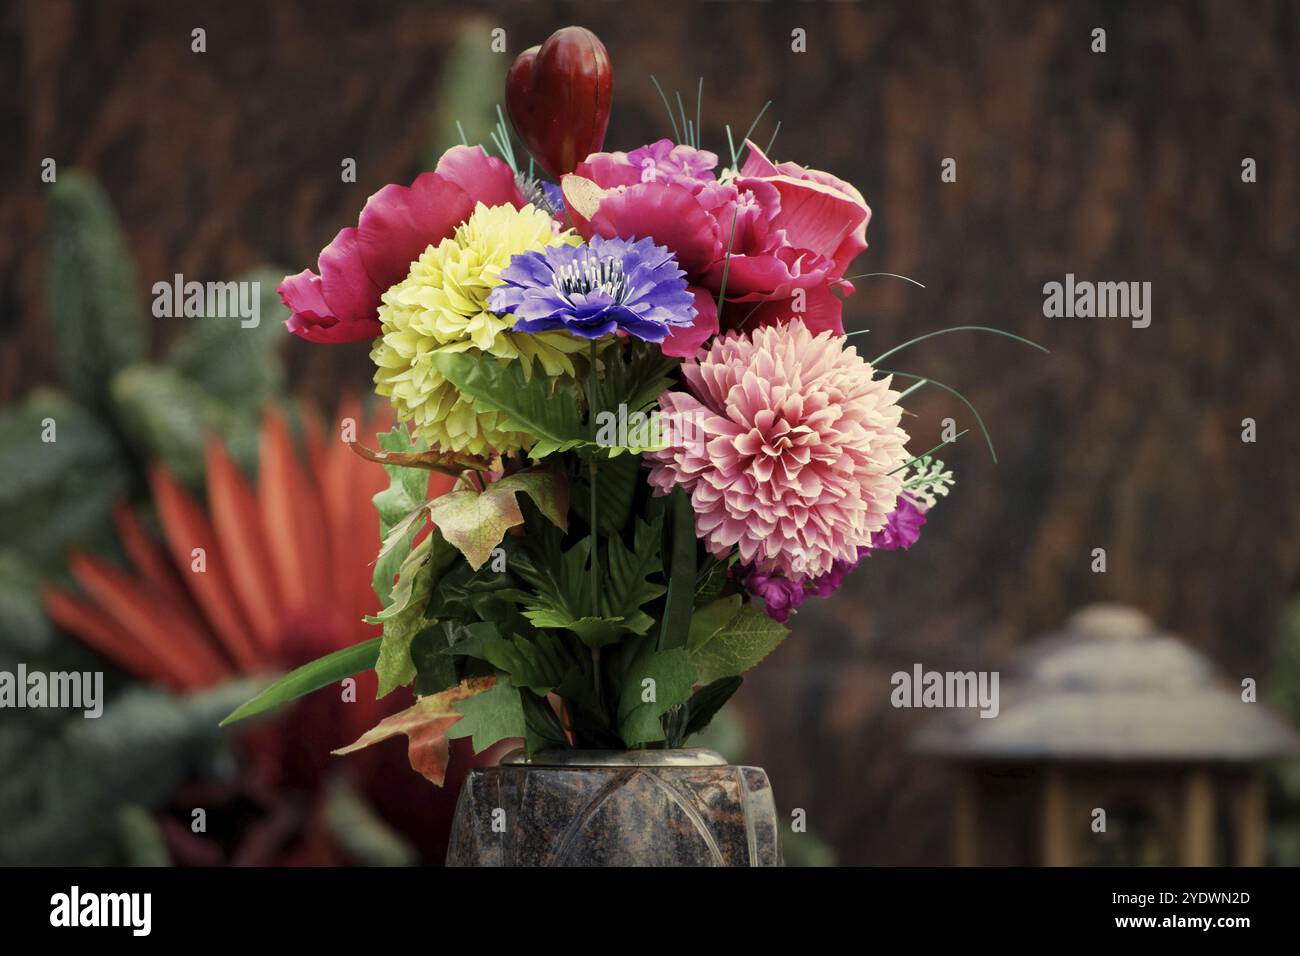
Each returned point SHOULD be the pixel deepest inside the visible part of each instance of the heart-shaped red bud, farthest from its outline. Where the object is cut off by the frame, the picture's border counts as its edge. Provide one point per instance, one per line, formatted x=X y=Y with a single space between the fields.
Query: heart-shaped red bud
x=558 y=96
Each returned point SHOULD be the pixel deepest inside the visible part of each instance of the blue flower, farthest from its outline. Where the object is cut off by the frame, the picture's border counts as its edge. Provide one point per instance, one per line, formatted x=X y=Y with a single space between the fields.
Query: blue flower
x=592 y=290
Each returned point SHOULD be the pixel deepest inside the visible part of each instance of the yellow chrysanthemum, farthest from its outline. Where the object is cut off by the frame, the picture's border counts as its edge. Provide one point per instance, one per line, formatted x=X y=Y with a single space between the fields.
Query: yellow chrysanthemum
x=441 y=306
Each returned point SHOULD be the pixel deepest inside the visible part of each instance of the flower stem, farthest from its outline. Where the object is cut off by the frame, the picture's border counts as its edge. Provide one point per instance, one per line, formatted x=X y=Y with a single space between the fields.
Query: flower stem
x=591 y=514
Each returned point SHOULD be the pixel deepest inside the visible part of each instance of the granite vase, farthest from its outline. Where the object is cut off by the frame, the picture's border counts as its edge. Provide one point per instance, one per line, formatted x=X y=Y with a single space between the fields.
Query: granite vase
x=611 y=808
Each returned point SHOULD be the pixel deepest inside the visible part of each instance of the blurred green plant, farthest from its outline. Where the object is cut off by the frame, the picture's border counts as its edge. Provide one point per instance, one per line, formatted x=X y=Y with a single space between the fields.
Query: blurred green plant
x=67 y=453
x=469 y=90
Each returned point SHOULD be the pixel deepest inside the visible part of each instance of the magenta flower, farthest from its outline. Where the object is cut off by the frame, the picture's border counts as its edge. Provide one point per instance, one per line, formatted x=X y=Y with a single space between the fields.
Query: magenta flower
x=789 y=447
x=902 y=529
x=780 y=595
x=795 y=233
x=397 y=224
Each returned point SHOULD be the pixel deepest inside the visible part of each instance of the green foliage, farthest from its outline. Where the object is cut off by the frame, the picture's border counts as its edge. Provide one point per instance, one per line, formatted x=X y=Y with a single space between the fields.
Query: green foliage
x=496 y=714
x=706 y=702
x=97 y=316
x=655 y=682
x=56 y=493
x=475 y=522
x=616 y=492
x=399 y=507
x=237 y=366
x=169 y=415
x=728 y=638
x=308 y=678
x=535 y=404
x=406 y=616
x=143 y=746
x=468 y=90
x=681 y=574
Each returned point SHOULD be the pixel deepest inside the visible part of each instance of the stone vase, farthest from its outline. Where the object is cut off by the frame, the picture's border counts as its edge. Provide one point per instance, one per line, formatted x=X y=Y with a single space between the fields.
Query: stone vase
x=609 y=808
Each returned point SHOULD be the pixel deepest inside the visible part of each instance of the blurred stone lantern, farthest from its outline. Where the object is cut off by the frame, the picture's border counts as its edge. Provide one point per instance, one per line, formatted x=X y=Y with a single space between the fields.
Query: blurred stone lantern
x=1113 y=744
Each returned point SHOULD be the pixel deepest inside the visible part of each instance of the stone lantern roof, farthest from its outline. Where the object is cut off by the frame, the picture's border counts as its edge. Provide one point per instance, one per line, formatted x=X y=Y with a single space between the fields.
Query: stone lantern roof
x=1111 y=686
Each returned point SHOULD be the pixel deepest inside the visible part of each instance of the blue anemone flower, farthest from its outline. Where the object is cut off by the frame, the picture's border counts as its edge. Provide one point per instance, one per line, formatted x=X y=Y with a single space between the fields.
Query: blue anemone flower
x=603 y=286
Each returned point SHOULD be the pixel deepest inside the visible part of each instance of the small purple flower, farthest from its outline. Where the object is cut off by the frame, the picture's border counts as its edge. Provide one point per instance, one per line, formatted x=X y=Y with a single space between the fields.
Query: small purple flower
x=780 y=595
x=666 y=161
x=901 y=529
x=594 y=289
x=830 y=582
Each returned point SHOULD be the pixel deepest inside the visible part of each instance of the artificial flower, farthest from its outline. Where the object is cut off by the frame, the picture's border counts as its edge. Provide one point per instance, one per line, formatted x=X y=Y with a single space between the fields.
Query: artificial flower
x=779 y=237
x=442 y=306
x=780 y=595
x=397 y=224
x=903 y=527
x=663 y=161
x=789 y=447
x=593 y=290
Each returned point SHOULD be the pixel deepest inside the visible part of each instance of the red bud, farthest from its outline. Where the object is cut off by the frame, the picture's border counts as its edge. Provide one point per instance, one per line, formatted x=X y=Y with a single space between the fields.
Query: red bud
x=558 y=96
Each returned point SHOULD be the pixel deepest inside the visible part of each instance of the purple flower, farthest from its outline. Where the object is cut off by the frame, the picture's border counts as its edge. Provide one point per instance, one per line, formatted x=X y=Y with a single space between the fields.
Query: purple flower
x=827 y=584
x=901 y=529
x=667 y=161
x=592 y=290
x=780 y=595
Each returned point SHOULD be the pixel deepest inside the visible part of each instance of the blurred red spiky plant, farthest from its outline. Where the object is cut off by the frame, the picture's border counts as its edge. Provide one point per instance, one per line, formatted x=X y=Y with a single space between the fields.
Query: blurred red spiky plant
x=282 y=578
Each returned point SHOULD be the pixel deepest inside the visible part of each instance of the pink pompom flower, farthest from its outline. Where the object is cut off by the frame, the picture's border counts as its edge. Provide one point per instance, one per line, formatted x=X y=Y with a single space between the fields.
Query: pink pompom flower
x=398 y=223
x=789 y=447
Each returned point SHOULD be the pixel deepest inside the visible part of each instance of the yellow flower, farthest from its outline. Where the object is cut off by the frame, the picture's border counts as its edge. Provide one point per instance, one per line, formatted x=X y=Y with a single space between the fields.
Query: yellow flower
x=441 y=306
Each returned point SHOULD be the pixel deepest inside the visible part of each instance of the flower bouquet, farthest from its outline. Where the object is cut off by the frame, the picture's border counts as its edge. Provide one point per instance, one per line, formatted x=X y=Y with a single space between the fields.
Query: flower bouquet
x=651 y=438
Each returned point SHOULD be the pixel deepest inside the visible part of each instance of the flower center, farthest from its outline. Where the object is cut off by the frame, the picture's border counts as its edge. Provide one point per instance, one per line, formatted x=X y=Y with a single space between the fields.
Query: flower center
x=593 y=275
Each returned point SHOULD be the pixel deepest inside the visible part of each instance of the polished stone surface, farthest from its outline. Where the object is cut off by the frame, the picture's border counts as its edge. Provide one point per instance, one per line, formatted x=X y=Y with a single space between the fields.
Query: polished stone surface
x=615 y=816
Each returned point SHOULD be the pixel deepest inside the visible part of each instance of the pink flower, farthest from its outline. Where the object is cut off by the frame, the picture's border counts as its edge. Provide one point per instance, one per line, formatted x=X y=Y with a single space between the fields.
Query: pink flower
x=788 y=446
x=792 y=231
x=397 y=224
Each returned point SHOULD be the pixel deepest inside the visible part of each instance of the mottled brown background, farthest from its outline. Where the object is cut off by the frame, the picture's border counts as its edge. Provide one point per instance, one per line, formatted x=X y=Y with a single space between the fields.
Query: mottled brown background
x=1122 y=166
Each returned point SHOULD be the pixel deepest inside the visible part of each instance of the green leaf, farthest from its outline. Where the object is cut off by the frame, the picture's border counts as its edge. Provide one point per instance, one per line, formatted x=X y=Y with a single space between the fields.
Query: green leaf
x=476 y=522
x=97 y=314
x=527 y=404
x=627 y=587
x=592 y=631
x=400 y=502
x=727 y=638
x=310 y=677
x=540 y=662
x=665 y=677
x=681 y=580
x=496 y=714
x=616 y=488
x=434 y=670
x=542 y=729
x=406 y=616
x=707 y=701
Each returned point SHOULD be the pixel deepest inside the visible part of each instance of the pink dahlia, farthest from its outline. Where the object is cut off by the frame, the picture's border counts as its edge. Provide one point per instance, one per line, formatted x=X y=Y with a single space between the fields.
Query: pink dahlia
x=789 y=447
x=795 y=231
x=397 y=224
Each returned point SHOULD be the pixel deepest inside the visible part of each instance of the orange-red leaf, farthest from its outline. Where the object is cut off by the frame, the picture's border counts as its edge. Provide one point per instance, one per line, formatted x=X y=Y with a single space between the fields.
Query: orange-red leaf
x=425 y=725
